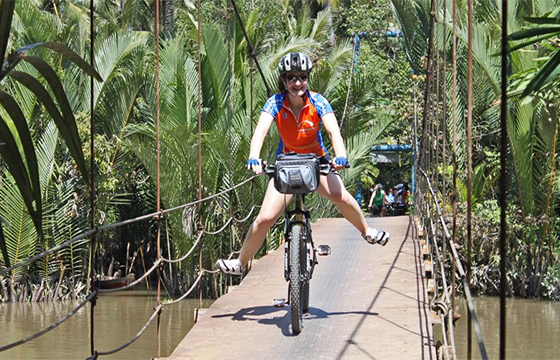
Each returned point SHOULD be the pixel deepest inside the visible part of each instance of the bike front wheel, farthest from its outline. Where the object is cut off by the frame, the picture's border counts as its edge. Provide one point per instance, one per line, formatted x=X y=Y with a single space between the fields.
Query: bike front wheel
x=296 y=279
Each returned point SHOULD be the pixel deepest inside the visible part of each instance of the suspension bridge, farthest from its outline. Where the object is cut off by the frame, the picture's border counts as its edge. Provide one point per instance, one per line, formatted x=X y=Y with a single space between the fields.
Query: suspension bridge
x=366 y=301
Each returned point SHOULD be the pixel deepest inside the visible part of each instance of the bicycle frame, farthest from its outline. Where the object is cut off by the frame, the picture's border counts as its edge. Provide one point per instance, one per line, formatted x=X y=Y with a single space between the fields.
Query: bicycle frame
x=300 y=255
x=302 y=217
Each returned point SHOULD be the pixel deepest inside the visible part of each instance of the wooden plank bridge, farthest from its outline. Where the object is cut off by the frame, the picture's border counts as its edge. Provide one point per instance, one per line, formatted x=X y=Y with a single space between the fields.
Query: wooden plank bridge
x=367 y=302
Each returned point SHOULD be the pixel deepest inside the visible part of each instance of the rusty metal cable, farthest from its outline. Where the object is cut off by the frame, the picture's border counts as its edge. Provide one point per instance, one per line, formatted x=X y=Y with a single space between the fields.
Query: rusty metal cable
x=503 y=179
x=199 y=50
x=158 y=180
x=349 y=82
x=52 y=326
x=229 y=116
x=193 y=286
x=251 y=49
x=157 y=311
x=444 y=111
x=469 y=162
x=157 y=263
x=462 y=273
x=118 y=224
x=454 y=156
x=93 y=241
x=423 y=138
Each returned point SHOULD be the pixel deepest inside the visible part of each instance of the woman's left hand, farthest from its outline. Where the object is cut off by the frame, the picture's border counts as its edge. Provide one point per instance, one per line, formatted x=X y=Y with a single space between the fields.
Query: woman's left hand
x=340 y=163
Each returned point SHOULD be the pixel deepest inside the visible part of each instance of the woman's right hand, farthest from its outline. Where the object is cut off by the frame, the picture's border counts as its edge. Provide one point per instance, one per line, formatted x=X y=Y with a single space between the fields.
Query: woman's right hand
x=255 y=165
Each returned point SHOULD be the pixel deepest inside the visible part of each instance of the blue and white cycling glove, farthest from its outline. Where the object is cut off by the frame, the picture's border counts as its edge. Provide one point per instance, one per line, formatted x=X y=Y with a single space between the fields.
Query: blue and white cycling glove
x=341 y=161
x=254 y=162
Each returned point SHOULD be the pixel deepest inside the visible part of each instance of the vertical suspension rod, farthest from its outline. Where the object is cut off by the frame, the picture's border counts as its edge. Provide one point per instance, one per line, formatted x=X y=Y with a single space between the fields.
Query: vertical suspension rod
x=92 y=178
x=436 y=135
x=428 y=79
x=251 y=50
x=444 y=111
x=158 y=179
x=503 y=181
x=199 y=50
x=469 y=164
x=454 y=157
x=229 y=115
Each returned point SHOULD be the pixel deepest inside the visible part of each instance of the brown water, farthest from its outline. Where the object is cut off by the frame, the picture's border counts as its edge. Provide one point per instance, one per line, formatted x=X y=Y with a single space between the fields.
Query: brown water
x=532 y=329
x=118 y=318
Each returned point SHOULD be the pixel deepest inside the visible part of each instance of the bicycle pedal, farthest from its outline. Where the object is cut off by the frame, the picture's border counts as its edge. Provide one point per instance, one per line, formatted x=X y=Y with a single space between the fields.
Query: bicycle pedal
x=279 y=302
x=323 y=250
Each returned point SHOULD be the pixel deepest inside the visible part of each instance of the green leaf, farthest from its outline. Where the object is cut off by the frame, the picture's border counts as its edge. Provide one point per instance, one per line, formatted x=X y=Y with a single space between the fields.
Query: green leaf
x=69 y=134
x=10 y=153
x=529 y=42
x=13 y=109
x=65 y=51
x=72 y=56
x=550 y=70
x=543 y=20
x=523 y=34
x=6 y=13
x=3 y=247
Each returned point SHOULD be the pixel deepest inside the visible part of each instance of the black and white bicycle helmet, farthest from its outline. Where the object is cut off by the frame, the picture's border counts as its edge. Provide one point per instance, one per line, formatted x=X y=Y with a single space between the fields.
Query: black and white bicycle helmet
x=294 y=62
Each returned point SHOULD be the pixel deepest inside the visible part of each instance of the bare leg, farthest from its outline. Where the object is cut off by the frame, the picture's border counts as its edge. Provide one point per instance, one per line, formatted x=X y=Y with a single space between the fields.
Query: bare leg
x=332 y=188
x=272 y=206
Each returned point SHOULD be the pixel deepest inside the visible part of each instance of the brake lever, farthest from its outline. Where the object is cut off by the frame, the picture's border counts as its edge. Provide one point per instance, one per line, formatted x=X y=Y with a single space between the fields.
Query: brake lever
x=268 y=168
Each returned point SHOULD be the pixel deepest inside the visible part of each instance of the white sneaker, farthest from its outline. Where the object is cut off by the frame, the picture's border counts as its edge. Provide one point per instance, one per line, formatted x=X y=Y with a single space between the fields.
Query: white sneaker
x=231 y=267
x=374 y=236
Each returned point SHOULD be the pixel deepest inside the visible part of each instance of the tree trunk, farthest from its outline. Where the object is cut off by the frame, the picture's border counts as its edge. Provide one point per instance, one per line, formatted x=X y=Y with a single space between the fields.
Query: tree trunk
x=168 y=21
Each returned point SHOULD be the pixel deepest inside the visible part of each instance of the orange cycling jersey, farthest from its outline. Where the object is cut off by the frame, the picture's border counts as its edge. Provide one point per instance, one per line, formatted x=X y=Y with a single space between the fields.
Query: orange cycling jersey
x=302 y=135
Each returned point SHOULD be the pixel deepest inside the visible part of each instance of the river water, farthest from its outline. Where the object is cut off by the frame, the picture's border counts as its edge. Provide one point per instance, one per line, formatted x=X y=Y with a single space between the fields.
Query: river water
x=118 y=318
x=533 y=328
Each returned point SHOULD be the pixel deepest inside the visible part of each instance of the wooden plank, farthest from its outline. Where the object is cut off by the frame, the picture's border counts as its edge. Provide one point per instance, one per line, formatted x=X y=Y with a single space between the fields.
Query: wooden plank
x=367 y=301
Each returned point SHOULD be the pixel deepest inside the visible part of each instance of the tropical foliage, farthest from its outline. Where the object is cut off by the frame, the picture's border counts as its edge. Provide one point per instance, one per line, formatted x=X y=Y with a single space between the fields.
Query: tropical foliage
x=531 y=126
x=47 y=191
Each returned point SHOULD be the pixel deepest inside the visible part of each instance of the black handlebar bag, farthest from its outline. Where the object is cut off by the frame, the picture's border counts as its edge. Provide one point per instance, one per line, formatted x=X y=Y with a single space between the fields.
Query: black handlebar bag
x=296 y=173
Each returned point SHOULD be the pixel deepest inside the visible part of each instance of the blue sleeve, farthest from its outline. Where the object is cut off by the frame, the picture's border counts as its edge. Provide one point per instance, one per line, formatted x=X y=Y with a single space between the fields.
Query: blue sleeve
x=322 y=105
x=273 y=105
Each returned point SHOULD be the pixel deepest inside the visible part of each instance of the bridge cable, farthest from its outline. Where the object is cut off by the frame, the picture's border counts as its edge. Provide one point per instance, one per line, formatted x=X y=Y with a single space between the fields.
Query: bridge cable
x=157 y=311
x=469 y=161
x=356 y=44
x=229 y=115
x=120 y=223
x=93 y=241
x=454 y=156
x=503 y=179
x=89 y=298
x=251 y=49
x=428 y=76
x=199 y=50
x=435 y=136
x=460 y=269
x=444 y=111
x=158 y=181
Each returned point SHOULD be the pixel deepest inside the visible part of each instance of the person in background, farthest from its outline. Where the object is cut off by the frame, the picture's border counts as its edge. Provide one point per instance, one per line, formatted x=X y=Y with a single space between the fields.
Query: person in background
x=378 y=200
x=390 y=196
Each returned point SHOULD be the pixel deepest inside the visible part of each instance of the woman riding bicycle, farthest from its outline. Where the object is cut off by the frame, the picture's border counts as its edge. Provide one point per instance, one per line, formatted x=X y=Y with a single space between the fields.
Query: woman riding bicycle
x=298 y=114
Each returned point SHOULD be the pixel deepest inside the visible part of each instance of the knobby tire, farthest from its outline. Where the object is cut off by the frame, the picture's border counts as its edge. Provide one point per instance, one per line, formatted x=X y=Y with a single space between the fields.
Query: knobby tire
x=296 y=279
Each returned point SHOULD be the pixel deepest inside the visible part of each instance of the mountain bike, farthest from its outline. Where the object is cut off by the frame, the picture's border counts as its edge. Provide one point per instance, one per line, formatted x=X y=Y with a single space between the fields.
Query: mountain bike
x=298 y=174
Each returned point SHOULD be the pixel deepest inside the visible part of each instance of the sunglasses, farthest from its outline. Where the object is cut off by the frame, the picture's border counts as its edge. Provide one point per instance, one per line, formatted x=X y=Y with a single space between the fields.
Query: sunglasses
x=293 y=78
